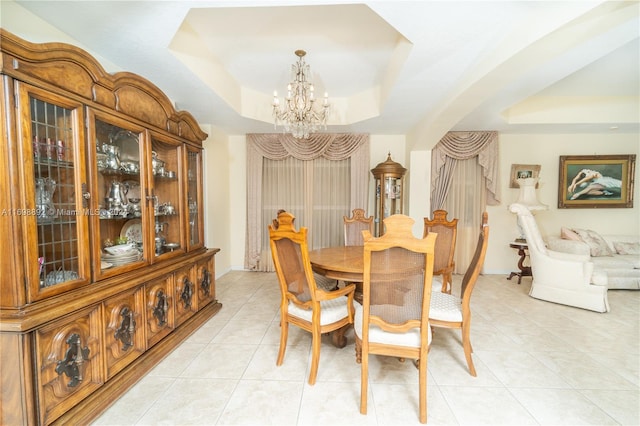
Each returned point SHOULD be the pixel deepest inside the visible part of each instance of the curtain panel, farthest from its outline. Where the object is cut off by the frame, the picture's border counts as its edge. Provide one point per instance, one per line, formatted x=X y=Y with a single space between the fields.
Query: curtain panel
x=455 y=146
x=276 y=146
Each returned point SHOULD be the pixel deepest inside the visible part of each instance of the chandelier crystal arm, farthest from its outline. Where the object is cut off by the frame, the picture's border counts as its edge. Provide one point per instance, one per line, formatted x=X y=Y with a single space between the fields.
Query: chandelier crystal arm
x=298 y=115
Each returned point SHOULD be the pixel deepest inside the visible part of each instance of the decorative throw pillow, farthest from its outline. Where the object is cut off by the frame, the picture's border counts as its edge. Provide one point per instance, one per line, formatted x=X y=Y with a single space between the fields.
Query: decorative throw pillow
x=626 y=248
x=568 y=234
x=596 y=243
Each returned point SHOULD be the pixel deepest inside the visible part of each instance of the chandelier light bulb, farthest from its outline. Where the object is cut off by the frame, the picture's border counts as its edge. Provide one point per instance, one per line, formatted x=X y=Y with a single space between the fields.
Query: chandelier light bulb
x=298 y=114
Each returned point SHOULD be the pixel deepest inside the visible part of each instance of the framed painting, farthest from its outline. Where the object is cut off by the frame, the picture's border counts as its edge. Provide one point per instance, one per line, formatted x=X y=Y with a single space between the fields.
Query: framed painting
x=523 y=171
x=596 y=181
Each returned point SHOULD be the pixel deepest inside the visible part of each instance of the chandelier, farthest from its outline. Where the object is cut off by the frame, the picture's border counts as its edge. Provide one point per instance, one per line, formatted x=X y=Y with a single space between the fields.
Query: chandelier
x=298 y=115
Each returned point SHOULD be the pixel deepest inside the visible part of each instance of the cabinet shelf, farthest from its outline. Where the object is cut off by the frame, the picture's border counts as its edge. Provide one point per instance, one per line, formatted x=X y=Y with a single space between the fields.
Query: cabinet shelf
x=118 y=218
x=165 y=178
x=166 y=214
x=53 y=163
x=57 y=222
x=112 y=172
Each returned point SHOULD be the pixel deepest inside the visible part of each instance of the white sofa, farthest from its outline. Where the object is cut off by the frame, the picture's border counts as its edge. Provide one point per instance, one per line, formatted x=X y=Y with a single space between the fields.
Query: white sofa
x=616 y=268
x=559 y=277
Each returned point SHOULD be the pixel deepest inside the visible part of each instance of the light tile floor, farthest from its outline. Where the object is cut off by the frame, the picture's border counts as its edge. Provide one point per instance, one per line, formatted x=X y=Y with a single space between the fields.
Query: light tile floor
x=537 y=363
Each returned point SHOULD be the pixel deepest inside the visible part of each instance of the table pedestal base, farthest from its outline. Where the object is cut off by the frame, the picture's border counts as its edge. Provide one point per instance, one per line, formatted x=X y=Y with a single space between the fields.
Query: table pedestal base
x=338 y=337
x=525 y=271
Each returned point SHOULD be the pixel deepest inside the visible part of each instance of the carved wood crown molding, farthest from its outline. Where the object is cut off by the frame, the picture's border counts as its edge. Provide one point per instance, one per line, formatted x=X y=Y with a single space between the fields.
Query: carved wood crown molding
x=76 y=71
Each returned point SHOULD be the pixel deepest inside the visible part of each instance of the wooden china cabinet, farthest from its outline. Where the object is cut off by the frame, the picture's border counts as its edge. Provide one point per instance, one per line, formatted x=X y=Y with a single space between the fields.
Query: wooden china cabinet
x=103 y=264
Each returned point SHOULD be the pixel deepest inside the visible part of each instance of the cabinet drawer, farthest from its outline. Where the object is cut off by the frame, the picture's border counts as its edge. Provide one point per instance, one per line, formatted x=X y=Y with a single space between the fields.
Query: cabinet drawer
x=160 y=309
x=185 y=294
x=205 y=281
x=124 y=329
x=69 y=362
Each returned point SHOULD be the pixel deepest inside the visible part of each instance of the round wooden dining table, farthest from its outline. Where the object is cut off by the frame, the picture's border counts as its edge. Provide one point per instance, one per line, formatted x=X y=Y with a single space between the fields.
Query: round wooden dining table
x=343 y=263
x=340 y=262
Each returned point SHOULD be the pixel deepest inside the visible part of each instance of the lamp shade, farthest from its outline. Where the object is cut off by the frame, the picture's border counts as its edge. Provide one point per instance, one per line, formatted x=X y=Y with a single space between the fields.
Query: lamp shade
x=528 y=195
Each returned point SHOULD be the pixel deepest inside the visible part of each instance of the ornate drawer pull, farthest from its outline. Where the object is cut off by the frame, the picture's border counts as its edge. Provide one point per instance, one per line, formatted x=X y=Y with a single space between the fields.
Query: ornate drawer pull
x=75 y=356
x=187 y=293
x=205 y=282
x=127 y=328
x=161 y=309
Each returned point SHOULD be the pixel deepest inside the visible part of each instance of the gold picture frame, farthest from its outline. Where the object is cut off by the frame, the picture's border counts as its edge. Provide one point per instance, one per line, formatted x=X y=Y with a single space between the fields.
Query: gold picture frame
x=596 y=181
x=519 y=171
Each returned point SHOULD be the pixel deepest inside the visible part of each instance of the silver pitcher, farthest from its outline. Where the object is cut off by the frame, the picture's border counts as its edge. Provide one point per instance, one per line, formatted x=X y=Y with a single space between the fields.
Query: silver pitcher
x=160 y=239
x=117 y=196
x=161 y=227
x=113 y=156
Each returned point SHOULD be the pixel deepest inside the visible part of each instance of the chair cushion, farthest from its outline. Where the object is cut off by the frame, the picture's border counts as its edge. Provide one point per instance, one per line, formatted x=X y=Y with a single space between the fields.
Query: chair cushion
x=436 y=284
x=445 y=307
x=330 y=311
x=410 y=339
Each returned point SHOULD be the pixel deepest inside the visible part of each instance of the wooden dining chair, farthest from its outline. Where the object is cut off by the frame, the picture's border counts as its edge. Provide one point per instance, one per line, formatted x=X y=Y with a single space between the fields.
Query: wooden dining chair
x=393 y=318
x=275 y=222
x=452 y=311
x=302 y=303
x=322 y=282
x=445 y=245
x=354 y=225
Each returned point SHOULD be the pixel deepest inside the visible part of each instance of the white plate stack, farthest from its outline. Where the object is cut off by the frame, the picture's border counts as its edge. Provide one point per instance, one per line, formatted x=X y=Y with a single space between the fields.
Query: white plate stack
x=123 y=257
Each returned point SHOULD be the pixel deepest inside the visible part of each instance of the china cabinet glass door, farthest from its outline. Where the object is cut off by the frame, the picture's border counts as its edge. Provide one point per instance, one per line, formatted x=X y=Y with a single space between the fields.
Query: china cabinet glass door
x=195 y=231
x=166 y=194
x=55 y=212
x=118 y=185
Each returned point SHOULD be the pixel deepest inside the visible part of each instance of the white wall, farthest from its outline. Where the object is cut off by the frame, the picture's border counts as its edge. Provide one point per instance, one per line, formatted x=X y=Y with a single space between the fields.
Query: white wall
x=216 y=176
x=419 y=189
x=238 y=200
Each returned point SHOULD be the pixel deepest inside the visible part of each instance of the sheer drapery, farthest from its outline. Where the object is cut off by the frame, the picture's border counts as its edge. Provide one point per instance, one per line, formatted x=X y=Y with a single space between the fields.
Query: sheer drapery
x=466 y=202
x=318 y=166
x=284 y=185
x=464 y=179
x=330 y=202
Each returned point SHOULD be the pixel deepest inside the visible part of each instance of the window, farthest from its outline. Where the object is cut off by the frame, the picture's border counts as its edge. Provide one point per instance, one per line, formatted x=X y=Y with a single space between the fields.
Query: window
x=318 y=180
x=316 y=192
